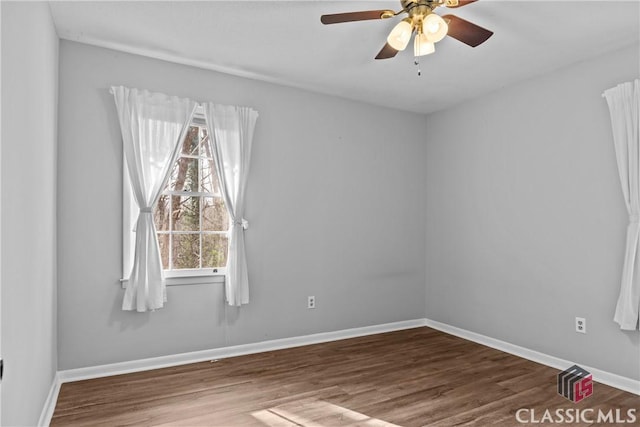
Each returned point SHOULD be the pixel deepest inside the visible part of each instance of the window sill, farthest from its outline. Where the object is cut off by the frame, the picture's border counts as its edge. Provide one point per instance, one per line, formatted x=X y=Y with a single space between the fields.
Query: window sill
x=189 y=280
x=194 y=280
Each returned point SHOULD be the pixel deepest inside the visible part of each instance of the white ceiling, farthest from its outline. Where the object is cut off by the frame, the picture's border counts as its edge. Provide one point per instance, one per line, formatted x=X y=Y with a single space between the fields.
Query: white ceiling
x=284 y=42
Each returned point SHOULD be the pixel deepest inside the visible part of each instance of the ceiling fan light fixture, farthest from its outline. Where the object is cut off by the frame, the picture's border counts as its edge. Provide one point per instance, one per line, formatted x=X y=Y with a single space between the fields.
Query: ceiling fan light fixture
x=434 y=27
x=422 y=46
x=400 y=36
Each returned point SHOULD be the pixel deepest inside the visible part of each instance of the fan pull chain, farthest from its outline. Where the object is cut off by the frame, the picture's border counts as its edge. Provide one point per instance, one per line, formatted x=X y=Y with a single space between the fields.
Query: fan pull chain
x=417 y=63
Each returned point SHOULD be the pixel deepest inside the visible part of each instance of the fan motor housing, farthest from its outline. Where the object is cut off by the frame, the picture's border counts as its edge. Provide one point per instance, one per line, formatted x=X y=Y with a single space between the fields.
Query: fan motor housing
x=419 y=8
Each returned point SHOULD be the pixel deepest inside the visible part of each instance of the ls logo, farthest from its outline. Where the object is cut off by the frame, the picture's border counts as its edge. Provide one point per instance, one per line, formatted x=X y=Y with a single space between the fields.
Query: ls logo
x=575 y=384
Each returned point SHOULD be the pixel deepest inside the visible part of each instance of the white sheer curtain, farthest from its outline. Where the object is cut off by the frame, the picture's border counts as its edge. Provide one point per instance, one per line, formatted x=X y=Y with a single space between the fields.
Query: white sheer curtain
x=624 y=108
x=231 y=131
x=152 y=126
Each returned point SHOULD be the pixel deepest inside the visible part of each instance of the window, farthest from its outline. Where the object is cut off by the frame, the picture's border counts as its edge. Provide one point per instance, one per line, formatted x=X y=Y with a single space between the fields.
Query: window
x=190 y=217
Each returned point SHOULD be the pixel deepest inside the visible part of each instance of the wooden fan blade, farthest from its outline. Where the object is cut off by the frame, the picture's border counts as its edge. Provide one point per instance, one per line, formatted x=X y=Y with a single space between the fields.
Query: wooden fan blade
x=465 y=31
x=365 y=15
x=459 y=3
x=386 y=52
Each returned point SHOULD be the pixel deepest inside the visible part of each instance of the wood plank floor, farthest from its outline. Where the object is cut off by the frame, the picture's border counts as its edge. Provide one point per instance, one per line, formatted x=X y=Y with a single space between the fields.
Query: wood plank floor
x=416 y=377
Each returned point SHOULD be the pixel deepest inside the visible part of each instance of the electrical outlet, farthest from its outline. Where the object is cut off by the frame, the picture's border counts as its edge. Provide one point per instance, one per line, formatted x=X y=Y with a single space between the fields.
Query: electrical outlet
x=581 y=325
x=311 y=302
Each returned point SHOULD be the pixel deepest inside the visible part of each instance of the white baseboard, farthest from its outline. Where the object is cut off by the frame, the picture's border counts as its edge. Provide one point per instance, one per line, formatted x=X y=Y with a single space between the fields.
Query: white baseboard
x=224 y=352
x=604 y=377
x=50 y=403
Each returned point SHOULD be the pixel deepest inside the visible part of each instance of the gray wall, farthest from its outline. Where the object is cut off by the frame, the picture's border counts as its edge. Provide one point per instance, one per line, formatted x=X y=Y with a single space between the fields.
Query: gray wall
x=335 y=201
x=525 y=217
x=29 y=120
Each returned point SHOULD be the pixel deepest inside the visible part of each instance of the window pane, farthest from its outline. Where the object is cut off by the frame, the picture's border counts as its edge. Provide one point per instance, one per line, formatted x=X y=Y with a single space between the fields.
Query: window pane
x=204 y=143
x=163 y=240
x=161 y=213
x=191 y=141
x=209 y=179
x=185 y=213
x=186 y=251
x=186 y=223
x=214 y=214
x=214 y=250
x=184 y=176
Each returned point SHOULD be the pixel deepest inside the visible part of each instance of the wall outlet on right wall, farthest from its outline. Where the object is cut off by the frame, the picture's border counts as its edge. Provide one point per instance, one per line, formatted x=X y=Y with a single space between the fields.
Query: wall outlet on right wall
x=581 y=325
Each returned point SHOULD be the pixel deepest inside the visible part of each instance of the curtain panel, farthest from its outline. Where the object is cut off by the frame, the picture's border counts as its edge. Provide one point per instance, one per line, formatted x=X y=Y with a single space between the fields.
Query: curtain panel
x=152 y=127
x=231 y=130
x=624 y=108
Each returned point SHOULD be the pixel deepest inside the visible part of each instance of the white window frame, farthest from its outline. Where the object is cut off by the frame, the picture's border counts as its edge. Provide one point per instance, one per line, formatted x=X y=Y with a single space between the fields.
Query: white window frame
x=129 y=216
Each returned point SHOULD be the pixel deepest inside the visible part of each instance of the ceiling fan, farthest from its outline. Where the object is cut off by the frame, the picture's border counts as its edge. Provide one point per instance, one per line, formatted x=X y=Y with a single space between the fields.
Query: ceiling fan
x=429 y=27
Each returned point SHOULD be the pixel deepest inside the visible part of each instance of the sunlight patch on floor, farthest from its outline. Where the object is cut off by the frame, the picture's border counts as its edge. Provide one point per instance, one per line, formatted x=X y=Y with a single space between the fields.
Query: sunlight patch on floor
x=315 y=413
